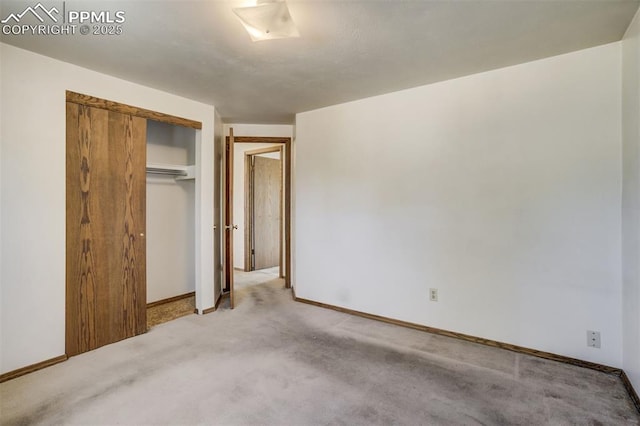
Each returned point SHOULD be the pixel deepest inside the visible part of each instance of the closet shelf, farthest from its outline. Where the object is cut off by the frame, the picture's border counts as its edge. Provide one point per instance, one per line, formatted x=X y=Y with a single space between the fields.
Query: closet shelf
x=179 y=172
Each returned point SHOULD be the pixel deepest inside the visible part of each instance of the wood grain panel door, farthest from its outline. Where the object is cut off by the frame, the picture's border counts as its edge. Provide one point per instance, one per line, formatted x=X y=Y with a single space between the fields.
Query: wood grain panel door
x=228 y=219
x=105 y=248
x=266 y=204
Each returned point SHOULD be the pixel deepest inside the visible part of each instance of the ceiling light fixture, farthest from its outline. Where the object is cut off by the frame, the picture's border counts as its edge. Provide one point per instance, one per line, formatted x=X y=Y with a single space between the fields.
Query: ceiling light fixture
x=267 y=20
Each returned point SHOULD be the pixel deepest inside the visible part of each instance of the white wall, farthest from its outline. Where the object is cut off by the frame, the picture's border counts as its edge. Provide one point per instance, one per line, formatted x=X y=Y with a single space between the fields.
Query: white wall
x=631 y=201
x=272 y=155
x=501 y=189
x=170 y=226
x=238 y=176
x=33 y=194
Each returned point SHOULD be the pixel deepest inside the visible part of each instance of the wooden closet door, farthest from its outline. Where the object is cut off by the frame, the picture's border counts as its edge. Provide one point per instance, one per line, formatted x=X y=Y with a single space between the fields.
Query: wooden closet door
x=105 y=248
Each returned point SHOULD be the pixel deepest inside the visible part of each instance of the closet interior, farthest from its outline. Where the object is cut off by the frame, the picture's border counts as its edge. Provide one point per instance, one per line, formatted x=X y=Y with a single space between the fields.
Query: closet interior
x=170 y=186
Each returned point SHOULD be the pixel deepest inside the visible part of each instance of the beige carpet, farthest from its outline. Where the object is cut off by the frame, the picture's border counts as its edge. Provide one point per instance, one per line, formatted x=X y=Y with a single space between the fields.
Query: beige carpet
x=169 y=311
x=272 y=361
x=244 y=279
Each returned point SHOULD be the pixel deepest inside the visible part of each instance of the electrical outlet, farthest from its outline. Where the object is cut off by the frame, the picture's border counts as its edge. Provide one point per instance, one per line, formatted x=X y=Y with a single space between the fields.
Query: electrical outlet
x=593 y=339
x=433 y=294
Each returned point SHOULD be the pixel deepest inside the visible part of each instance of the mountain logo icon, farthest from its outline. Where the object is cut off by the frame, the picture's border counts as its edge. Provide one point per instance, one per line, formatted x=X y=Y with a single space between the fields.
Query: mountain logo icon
x=38 y=11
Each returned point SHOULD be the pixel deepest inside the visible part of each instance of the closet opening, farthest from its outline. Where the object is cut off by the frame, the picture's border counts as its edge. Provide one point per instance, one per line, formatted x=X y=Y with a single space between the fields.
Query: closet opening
x=170 y=185
x=110 y=147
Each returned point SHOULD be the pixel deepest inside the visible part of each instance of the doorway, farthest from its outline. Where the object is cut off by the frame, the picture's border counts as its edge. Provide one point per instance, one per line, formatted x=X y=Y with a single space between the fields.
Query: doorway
x=231 y=226
x=263 y=208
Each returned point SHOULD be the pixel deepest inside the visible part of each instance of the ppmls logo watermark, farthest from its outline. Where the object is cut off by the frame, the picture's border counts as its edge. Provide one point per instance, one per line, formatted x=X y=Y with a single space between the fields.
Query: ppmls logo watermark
x=57 y=20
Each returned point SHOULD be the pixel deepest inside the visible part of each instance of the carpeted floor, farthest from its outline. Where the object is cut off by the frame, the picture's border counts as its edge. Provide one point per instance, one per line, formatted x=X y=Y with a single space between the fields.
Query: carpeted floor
x=272 y=361
x=169 y=311
x=243 y=279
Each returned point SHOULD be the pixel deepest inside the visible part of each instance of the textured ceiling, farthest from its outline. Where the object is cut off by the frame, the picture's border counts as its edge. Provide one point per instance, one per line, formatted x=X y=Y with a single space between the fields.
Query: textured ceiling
x=347 y=49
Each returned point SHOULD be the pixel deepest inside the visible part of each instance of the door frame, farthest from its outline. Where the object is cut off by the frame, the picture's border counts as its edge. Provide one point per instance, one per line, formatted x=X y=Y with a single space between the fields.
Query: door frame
x=78 y=98
x=249 y=219
x=286 y=143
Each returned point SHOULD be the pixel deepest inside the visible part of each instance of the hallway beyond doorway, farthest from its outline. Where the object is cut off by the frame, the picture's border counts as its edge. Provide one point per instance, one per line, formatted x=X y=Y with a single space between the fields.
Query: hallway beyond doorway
x=246 y=279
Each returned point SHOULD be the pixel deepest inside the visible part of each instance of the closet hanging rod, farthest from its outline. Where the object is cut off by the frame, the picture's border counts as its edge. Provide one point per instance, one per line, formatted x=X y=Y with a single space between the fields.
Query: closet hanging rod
x=168 y=172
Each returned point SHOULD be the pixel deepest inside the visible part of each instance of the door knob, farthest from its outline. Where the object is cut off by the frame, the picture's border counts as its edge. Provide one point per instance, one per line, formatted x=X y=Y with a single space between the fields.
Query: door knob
x=231 y=227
